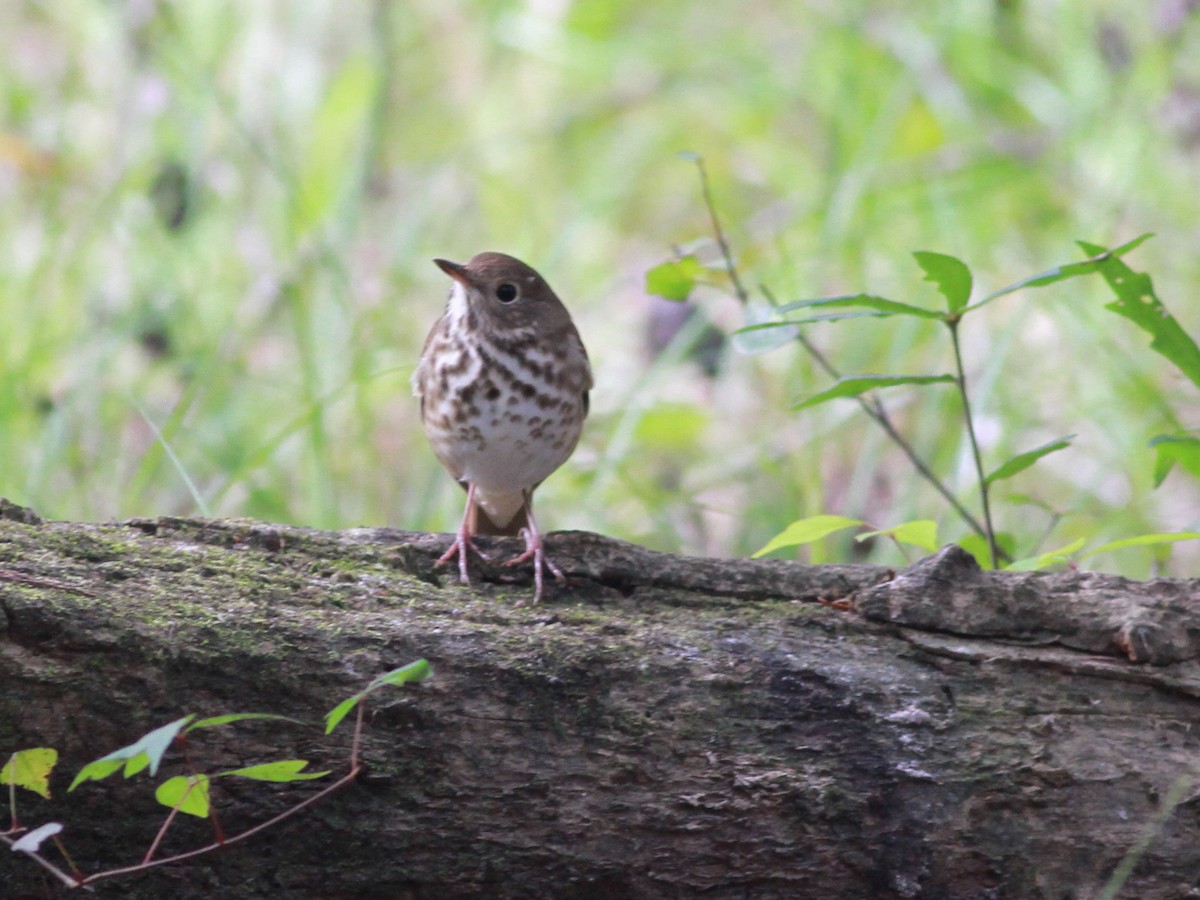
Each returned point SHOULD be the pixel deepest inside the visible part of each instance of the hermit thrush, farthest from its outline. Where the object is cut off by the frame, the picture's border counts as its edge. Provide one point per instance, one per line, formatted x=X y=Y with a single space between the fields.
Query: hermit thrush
x=503 y=382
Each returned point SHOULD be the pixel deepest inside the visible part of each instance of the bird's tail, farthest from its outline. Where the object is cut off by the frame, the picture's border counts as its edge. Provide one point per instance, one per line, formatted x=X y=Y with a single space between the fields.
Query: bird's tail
x=478 y=522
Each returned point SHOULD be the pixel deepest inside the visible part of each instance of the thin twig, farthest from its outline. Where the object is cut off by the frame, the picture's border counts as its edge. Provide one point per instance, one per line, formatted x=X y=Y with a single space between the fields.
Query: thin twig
x=162 y=832
x=961 y=381
x=147 y=863
x=726 y=252
x=209 y=848
x=874 y=407
x=875 y=411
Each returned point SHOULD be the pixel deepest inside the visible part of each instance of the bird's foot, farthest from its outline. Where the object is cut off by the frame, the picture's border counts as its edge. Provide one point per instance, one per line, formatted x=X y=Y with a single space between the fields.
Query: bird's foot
x=462 y=547
x=535 y=550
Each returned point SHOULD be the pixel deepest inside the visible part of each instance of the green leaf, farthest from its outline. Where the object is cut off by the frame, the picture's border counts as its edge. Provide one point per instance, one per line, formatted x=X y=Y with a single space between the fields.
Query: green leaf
x=1056 y=556
x=1144 y=540
x=1023 y=461
x=335 y=715
x=877 y=306
x=919 y=533
x=283 y=770
x=805 y=531
x=950 y=274
x=146 y=751
x=1061 y=273
x=415 y=671
x=187 y=793
x=1137 y=302
x=236 y=717
x=1170 y=449
x=30 y=769
x=977 y=546
x=674 y=280
x=854 y=385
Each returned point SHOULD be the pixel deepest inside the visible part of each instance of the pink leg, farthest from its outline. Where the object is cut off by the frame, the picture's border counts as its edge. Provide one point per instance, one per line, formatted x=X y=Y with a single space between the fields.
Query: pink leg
x=534 y=549
x=463 y=545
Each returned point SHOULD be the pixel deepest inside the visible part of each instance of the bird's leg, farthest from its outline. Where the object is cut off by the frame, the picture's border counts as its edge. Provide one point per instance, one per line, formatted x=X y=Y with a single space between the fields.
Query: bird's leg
x=463 y=544
x=535 y=550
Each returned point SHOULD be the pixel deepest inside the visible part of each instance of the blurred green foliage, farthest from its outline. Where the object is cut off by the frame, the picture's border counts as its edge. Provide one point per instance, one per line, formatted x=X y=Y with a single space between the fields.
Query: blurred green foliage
x=218 y=219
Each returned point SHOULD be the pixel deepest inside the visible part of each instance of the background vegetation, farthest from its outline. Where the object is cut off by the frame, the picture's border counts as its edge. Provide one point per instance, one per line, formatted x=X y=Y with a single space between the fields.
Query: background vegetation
x=217 y=220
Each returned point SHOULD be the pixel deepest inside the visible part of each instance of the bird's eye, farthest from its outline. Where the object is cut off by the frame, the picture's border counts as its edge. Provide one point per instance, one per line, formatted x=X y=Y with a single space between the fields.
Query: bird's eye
x=506 y=293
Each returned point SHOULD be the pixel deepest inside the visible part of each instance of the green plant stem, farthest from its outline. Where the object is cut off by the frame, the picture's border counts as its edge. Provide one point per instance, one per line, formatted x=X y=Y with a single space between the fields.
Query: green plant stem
x=80 y=880
x=742 y=294
x=961 y=381
x=874 y=408
x=875 y=411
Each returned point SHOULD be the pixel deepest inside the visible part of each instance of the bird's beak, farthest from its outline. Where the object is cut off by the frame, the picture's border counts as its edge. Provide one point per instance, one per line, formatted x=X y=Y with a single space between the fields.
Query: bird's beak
x=455 y=270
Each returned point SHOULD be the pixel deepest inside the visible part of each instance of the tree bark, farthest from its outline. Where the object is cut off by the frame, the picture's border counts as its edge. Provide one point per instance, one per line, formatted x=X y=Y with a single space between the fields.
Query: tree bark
x=660 y=726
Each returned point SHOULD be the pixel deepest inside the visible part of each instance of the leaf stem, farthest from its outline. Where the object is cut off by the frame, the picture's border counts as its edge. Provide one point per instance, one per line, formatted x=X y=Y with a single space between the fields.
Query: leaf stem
x=961 y=381
x=875 y=411
x=742 y=294
x=873 y=408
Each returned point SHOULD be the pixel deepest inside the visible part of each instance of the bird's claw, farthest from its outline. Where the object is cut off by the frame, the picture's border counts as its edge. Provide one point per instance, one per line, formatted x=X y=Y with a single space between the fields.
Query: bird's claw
x=534 y=549
x=462 y=547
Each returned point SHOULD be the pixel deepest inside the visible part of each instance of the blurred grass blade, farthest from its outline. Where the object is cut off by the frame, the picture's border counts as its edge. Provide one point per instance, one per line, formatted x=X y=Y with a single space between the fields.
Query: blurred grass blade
x=950 y=274
x=1070 y=270
x=334 y=141
x=1170 y=449
x=1137 y=302
x=197 y=497
x=854 y=385
x=805 y=531
x=1023 y=461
